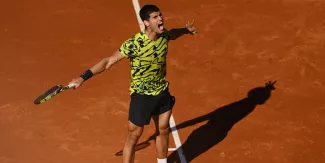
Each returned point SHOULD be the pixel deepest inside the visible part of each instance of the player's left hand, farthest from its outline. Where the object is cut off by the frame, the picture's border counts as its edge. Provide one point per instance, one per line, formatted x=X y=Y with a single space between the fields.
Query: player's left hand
x=190 y=27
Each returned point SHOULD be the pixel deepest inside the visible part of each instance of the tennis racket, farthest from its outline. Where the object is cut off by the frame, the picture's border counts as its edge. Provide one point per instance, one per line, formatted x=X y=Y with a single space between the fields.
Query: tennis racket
x=48 y=94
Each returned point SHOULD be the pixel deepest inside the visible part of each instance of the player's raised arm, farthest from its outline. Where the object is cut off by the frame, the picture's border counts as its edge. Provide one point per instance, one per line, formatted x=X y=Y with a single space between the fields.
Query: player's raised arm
x=177 y=32
x=101 y=66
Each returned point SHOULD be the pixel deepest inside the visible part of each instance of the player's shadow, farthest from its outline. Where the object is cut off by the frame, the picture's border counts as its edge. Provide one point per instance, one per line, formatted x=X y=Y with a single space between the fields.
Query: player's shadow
x=219 y=123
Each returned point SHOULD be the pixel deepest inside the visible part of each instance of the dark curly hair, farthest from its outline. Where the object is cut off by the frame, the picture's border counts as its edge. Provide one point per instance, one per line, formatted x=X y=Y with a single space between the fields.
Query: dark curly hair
x=147 y=10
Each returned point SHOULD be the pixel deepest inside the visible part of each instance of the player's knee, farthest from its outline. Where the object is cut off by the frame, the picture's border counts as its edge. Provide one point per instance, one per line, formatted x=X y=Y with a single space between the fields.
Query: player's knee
x=135 y=133
x=164 y=130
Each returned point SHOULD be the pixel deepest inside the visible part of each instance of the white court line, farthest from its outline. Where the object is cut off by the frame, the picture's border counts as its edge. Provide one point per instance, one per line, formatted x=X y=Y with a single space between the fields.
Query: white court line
x=136 y=6
x=177 y=140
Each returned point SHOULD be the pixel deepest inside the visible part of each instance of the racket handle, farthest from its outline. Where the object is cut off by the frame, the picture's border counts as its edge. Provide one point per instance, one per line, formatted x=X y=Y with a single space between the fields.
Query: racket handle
x=72 y=85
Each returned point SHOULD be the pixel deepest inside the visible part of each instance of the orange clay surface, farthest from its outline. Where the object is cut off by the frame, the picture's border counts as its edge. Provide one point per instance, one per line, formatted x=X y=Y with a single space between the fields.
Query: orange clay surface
x=241 y=45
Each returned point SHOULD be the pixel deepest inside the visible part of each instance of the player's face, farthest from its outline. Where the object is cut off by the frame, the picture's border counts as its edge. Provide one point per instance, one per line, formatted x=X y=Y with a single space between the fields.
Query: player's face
x=156 y=22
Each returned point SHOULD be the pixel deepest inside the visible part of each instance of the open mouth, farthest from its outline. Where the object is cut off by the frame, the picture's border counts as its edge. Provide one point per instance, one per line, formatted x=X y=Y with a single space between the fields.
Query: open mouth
x=161 y=26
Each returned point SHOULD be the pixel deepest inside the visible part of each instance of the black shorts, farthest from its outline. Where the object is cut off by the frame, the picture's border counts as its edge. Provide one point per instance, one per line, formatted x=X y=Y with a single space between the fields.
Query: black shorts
x=142 y=107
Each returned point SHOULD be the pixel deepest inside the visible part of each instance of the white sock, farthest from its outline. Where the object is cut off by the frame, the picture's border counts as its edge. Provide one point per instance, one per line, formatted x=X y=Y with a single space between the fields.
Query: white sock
x=162 y=160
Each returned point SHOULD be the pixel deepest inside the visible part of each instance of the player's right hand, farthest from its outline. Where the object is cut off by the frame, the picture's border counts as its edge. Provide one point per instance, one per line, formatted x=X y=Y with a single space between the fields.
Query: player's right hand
x=77 y=82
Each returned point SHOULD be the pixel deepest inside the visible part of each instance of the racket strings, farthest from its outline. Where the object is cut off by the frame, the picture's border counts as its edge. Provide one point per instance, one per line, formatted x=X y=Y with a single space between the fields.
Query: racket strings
x=50 y=92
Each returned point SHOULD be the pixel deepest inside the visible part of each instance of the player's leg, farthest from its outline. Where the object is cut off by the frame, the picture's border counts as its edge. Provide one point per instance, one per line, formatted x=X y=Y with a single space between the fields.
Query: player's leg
x=139 y=115
x=155 y=119
x=162 y=138
x=165 y=110
x=134 y=133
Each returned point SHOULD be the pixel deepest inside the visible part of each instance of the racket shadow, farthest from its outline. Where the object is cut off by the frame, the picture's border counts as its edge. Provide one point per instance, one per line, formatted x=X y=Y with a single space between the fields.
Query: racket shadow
x=219 y=123
x=141 y=145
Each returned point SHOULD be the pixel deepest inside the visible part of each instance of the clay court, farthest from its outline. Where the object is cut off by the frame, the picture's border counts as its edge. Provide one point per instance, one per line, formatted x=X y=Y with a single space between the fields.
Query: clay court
x=240 y=46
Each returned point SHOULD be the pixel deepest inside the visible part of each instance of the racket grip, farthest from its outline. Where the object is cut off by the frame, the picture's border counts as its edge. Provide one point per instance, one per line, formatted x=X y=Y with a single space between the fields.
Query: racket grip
x=72 y=85
x=193 y=33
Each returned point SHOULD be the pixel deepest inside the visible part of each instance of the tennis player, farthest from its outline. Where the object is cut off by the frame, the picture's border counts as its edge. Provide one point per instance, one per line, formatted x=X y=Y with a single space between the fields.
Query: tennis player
x=149 y=92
